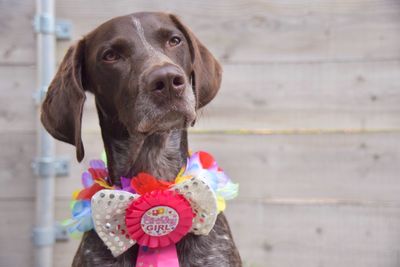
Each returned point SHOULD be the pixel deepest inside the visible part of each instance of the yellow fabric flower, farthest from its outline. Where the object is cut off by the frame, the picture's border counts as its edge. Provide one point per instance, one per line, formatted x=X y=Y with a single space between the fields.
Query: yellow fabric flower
x=103 y=184
x=180 y=178
x=221 y=205
x=75 y=194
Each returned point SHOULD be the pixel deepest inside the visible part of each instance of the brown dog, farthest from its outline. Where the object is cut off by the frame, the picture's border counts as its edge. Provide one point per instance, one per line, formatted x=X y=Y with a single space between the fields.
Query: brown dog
x=149 y=75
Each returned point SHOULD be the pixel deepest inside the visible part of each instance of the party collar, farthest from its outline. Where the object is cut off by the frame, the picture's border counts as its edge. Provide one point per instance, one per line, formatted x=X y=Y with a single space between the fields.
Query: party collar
x=150 y=212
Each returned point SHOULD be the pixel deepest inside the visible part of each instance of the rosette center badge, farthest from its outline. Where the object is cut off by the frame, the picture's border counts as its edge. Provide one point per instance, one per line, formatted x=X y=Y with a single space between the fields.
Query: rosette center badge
x=159 y=221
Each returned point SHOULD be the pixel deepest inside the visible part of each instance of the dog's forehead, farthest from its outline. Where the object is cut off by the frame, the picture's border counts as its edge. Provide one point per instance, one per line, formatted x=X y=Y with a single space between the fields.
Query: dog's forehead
x=136 y=23
x=152 y=21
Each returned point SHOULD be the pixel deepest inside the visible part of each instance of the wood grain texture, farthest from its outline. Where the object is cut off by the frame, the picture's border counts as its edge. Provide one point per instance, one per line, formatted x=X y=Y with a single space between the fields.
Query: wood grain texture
x=359 y=167
x=16 y=155
x=17 y=106
x=15 y=232
x=274 y=235
x=315 y=235
x=16 y=248
x=362 y=95
x=307 y=95
x=358 y=95
x=17 y=45
x=268 y=31
x=265 y=31
x=312 y=200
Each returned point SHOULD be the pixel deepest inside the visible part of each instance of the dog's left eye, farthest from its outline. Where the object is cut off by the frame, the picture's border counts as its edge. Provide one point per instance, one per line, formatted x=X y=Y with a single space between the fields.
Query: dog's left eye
x=111 y=56
x=174 y=41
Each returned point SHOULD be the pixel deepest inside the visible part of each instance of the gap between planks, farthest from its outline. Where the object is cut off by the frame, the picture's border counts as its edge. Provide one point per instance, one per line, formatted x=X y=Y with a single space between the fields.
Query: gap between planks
x=294 y=131
x=267 y=201
x=258 y=131
x=241 y=62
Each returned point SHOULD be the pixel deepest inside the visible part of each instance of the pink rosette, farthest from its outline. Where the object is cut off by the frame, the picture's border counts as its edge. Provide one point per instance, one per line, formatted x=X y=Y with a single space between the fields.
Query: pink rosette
x=159 y=218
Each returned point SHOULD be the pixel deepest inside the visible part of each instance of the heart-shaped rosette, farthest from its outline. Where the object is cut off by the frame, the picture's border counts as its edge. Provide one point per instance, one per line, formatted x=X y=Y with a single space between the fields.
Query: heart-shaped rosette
x=155 y=219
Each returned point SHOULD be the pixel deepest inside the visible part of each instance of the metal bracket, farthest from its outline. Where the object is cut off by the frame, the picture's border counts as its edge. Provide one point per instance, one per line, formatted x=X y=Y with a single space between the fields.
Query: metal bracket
x=39 y=95
x=63 y=30
x=43 y=236
x=47 y=236
x=46 y=24
x=61 y=234
x=46 y=167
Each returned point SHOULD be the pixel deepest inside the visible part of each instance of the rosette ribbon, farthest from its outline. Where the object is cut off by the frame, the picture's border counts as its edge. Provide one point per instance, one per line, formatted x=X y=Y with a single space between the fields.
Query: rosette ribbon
x=156 y=220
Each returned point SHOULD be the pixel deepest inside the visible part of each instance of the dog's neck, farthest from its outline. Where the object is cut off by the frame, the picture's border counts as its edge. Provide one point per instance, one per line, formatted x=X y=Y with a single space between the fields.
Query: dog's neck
x=159 y=154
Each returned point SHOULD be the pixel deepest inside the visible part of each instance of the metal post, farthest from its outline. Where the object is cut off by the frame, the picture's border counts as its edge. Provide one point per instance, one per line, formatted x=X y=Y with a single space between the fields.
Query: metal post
x=43 y=233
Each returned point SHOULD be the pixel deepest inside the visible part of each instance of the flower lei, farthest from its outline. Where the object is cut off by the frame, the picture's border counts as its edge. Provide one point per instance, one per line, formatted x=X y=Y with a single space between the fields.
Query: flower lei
x=150 y=212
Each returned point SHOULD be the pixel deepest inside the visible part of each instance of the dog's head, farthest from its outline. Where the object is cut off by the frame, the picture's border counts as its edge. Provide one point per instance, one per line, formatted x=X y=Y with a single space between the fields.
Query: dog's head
x=147 y=71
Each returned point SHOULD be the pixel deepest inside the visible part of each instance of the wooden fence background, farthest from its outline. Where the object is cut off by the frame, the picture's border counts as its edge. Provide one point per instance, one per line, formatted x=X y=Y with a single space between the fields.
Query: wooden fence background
x=315 y=84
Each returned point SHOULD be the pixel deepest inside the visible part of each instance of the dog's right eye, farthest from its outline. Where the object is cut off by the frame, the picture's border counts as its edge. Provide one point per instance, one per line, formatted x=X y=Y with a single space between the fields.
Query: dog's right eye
x=174 y=41
x=110 y=56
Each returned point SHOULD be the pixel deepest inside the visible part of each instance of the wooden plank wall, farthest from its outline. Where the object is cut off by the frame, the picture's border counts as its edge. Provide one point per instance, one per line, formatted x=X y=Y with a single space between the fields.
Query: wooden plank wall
x=314 y=83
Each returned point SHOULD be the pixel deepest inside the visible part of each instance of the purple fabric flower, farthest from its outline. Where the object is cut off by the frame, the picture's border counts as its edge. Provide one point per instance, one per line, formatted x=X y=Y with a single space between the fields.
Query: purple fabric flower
x=87 y=179
x=126 y=185
x=97 y=164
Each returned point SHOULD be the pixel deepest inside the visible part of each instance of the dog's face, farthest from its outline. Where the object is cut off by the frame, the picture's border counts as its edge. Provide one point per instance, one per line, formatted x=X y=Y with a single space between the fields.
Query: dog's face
x=143 y=64
x=147 y=71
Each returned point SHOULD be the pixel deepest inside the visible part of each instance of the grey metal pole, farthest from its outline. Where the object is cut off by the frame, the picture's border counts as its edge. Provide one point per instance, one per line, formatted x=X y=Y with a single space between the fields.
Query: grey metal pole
x=44 y=231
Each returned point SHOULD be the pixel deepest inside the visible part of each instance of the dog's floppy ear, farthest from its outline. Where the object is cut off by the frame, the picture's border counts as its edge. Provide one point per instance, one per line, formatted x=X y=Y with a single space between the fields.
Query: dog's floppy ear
x=62 y=107
x=207 y=71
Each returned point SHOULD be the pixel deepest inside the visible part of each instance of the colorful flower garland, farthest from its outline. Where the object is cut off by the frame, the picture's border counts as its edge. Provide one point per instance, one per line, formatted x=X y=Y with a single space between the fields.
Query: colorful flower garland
x=200 y=165
x=151 y=212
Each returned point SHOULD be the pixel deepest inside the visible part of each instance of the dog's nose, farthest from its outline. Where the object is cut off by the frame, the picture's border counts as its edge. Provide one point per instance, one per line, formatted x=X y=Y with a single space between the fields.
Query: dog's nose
x=166 y=79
